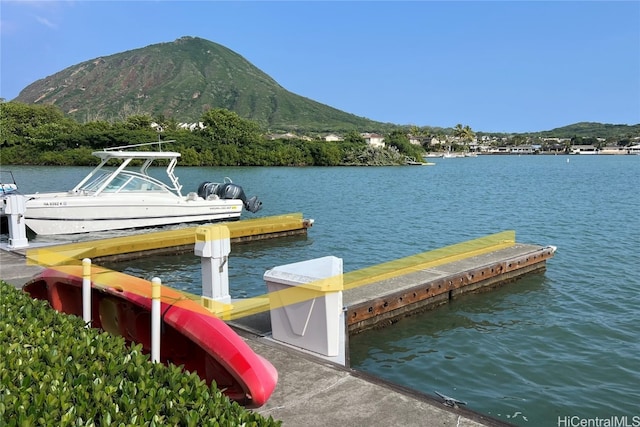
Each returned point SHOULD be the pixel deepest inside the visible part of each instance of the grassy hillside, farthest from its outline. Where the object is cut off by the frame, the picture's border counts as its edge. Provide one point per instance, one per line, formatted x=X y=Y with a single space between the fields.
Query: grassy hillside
x=593 y=130
x=182 y=80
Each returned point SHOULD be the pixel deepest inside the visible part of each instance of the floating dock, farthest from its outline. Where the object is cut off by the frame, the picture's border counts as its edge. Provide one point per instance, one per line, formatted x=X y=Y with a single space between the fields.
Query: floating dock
x=380 y=295
x=382 y=302
x=373 y=297
x=170 y=242
x=311 y=388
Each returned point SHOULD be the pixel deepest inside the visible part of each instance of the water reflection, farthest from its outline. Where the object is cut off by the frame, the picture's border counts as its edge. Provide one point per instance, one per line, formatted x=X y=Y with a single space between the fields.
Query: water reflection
x=484 y=313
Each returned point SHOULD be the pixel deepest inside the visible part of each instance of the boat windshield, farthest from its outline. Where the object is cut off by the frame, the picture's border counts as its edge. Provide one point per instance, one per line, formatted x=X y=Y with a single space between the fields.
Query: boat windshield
x=124 y=182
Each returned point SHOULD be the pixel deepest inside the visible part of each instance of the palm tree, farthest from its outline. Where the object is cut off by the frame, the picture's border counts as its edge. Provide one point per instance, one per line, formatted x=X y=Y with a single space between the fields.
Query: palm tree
x=465 y=134
x=417 y=133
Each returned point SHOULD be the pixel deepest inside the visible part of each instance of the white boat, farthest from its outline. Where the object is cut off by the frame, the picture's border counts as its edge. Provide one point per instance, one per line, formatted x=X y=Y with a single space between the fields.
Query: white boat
x=7 y=183
x=8 y=186
x=452 y=155
x=128 y=197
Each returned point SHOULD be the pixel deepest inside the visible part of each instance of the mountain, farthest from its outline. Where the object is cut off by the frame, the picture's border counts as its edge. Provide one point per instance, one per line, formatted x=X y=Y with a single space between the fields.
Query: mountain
x=592 y=130
x=182 y=80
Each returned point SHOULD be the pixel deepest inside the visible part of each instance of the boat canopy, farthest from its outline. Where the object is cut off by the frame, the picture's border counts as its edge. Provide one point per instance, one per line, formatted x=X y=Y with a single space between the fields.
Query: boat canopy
x=125 y=157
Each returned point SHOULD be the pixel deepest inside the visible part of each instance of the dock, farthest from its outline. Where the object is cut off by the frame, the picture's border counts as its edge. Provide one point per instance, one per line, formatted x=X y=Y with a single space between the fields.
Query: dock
x=312 y=390
x=169 y=242
x=383 y=302
x=381 y=295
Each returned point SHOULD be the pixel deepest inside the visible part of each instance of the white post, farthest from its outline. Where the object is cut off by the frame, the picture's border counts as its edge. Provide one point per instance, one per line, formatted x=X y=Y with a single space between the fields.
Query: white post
x=86 y=292
x=15 y=207
x=155 y=319
x=213 y=246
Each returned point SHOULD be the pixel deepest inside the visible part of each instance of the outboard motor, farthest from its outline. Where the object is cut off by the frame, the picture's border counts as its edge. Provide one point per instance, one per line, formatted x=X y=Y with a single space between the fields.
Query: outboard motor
x=253 y=204
x=229 y=191
x=207 y=189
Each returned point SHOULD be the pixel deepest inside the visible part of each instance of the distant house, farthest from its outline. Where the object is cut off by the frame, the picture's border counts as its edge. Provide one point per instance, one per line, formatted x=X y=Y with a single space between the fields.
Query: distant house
x=613 y=149
x=287 y=135
x=584 y=149
x=556 y=140
x=499 y=150
x=415 y=140
x=634 y=149
x=333 y=138
x=437 y=141
x=557 y=145
x=373 y=139
x=522 y=149
x=191 y=126
x=474 y=145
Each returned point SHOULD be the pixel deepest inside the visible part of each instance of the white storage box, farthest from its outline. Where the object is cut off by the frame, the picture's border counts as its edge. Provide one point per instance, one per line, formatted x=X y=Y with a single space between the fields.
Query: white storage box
x=306 y=304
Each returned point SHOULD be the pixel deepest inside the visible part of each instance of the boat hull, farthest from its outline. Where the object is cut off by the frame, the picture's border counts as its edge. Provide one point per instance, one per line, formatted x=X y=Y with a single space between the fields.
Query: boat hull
x=191 y=336
x=61 y=213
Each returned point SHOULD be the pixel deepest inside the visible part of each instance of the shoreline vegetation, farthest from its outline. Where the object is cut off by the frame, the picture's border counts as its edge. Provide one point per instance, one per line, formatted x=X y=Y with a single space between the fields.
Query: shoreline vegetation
x=41 y=135
x=55 y=371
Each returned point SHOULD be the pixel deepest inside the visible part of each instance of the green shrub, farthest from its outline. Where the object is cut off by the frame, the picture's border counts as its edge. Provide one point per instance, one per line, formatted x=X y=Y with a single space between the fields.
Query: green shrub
x=54 y=371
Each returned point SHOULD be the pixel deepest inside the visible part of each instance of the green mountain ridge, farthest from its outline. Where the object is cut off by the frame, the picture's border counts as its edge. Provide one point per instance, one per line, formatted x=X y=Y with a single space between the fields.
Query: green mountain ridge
x=181 y=80
x=592 y=129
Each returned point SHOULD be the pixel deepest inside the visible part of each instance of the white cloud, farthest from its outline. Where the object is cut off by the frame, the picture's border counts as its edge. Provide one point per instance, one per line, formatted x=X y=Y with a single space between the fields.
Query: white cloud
x=46 y=22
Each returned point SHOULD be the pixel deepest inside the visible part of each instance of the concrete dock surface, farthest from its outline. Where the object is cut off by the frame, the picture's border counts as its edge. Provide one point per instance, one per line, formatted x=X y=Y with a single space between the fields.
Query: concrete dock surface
x=314 y=392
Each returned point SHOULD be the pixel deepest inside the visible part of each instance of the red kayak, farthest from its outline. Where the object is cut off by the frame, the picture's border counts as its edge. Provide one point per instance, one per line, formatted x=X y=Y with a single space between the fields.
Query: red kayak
x=190 y=335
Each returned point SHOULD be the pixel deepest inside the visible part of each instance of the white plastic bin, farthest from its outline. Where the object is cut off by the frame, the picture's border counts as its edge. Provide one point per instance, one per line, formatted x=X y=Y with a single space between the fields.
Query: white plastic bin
x=306 y=304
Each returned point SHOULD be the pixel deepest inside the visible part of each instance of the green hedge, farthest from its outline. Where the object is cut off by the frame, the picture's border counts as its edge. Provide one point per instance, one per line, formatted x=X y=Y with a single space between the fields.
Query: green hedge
x=54 y=371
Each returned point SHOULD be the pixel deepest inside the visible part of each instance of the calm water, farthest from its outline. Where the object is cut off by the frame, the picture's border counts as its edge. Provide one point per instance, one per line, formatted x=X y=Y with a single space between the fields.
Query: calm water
x=563 y=343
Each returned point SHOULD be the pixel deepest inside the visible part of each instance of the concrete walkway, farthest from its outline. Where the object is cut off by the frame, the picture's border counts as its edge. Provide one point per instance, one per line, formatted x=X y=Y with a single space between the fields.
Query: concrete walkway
x=14 y=268
x=314 y=392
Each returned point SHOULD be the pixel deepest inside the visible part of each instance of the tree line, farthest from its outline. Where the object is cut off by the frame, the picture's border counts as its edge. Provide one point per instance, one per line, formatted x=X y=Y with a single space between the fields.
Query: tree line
x=43 y=135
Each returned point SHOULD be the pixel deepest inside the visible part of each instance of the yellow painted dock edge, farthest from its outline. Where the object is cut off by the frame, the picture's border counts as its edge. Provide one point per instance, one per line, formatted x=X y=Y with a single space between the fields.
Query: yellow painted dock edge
x=74 y=253
x=368 y=275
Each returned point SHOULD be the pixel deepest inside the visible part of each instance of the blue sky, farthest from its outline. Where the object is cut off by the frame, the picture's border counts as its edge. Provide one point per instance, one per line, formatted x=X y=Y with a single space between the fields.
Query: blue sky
x=503 y=66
